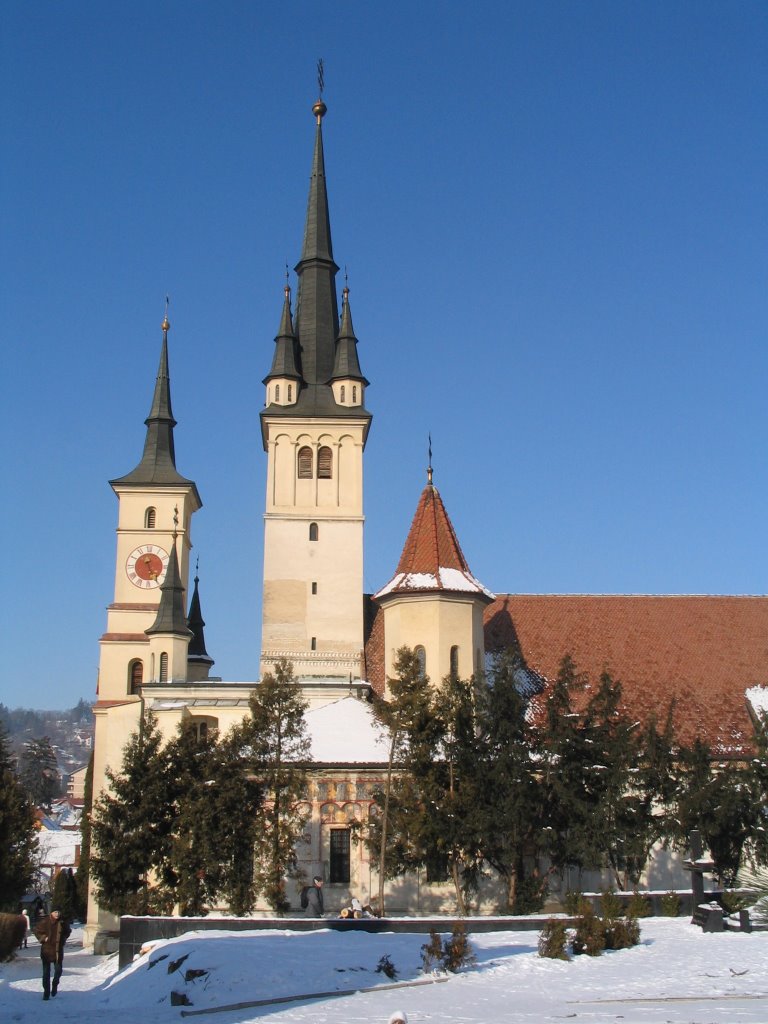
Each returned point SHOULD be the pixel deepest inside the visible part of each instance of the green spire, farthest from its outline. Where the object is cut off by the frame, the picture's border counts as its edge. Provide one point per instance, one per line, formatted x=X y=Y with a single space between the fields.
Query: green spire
x=284 y=360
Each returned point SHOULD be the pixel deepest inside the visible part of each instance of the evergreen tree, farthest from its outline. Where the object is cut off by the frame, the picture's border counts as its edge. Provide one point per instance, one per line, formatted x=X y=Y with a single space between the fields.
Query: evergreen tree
x=39 y=772
x=65 y=898
x=132 y=827
x=82 y=876
x=279 y=750
x=511 y=789
x=18 y=837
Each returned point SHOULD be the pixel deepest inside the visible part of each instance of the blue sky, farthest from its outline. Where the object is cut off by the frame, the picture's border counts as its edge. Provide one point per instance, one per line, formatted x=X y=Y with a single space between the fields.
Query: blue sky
x=554 y=217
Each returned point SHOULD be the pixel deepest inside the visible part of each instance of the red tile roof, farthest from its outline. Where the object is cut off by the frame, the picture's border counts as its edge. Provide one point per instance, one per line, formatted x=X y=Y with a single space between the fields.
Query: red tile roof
x=432 y=558
x=702 y=652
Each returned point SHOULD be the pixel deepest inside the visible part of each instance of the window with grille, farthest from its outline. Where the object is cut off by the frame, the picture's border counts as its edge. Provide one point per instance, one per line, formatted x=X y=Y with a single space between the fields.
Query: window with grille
x=163 y=667
x=324 y=463
x=305 y=463
x=421 y=654
x=339 y=867
x=455 y=662
x=136 y=675
x=150 y=517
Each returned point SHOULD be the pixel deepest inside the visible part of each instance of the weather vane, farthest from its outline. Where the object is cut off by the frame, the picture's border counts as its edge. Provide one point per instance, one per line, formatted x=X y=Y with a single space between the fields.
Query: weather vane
x=320 y=77
x=429 y=467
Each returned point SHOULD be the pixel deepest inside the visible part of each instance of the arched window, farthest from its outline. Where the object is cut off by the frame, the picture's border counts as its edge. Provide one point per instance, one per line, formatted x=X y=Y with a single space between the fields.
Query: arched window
x=305 y=463
x=163 y=667
x=324 y=463
x=454 y=662
x=135 y=676
x=313 y=531
x=277 y=392
x=354 y=394
x=343 y=392
x=150 y=516
x=290 y=392
x=421 y=654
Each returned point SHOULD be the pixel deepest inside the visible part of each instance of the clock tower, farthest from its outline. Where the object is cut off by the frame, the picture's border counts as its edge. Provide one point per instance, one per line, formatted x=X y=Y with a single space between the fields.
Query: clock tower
x=314 y=429
x=156 y=504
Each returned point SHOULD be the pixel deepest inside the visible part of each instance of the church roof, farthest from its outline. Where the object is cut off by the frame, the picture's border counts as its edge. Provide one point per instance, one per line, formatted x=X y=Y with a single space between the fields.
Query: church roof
x=432 y=559
x=158 y=461
x=698 y=653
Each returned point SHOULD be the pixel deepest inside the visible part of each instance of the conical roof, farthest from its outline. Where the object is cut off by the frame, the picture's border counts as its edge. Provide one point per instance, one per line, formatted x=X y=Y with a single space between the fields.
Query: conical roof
x=284 y=360
x=171 y=618
x=158 y=461
x=432 y=559
x=196 y=624
x=347 y=364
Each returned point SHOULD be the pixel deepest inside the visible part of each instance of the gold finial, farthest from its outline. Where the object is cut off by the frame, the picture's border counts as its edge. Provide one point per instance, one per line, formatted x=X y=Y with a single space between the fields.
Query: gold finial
x=166 y=322
x=319 y=109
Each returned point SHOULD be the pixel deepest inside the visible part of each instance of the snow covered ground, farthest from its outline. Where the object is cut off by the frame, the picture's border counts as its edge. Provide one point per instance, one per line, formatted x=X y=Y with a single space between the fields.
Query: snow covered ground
x=677 y=975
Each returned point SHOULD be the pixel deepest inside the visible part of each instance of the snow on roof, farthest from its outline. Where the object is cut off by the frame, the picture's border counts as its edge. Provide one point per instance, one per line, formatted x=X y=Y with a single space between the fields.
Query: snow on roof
x=758 y=698
x=58 y=847
x=346 y=732
x=446 y=578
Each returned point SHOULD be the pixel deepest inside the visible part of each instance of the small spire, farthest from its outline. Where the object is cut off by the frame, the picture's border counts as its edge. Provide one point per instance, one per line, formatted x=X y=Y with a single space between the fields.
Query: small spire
x=429 y=465
x=198 y=655
x=170 y=617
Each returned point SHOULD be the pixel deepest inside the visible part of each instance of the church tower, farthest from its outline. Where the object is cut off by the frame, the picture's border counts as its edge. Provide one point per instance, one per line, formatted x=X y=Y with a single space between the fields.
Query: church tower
x=314 y=429
x=156 y=504
x=433 y=604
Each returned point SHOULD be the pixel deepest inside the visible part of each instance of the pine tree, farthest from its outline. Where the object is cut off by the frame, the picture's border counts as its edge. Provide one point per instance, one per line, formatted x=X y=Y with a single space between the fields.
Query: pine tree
x=511 y=788
x=39 y=772
x=65 y=894
x=18 y=838
x=279 y=750
x=132 y=827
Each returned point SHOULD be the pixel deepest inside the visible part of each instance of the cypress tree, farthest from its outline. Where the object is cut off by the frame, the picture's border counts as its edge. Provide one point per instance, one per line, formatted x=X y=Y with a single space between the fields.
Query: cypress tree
x=279 y=751
x=83 y=873
x=132 y=827
x=18 y=837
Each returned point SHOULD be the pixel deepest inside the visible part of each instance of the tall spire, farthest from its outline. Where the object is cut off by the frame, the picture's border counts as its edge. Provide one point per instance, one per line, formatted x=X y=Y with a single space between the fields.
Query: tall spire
x=317 y=315
x=346 y=363
x=158 y=462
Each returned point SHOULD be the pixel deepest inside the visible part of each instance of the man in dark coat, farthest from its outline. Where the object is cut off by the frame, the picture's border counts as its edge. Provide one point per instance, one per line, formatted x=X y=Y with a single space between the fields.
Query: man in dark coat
x=52 y=931
x=315 y=898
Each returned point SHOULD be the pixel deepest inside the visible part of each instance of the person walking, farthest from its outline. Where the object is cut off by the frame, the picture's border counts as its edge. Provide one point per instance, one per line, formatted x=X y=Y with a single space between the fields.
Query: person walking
x=315 y=898
x=25 y=915
x=52 y=931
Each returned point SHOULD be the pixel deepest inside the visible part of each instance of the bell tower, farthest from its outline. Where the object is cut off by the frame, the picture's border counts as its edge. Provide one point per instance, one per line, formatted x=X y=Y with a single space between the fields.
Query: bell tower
x=314 y=429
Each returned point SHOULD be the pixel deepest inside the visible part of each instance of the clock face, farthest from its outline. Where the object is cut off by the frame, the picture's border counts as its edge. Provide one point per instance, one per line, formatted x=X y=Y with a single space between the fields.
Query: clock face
x=146 y=566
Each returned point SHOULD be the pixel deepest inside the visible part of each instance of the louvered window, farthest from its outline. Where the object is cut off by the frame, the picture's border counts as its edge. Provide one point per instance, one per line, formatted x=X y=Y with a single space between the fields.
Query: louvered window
x=354 y=394
x=343 y=392
x=163 y=667
x=290 y=392
x=305 y=463
x=136 y=676
x=277 y=392
x=325 y=463
x=150 y=517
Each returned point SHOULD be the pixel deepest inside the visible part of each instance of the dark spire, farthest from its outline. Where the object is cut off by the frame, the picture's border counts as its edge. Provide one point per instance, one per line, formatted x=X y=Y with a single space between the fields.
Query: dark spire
x=170 y=616
x=347 y=363
x=317 y=315
x=196 y=623
x=158 y=463
x=284 y=360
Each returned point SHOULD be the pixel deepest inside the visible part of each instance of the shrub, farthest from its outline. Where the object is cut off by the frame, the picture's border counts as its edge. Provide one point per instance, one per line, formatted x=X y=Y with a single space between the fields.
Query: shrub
x=638 y=905
x=733 y=902
x=576 y=903
x=451 y=955
x=611 y=906
x=385 y=966
x=530 y=896
x=589 y=936
x=621 y=934
x=553 y=940
x=13 y=928
x=670 y=904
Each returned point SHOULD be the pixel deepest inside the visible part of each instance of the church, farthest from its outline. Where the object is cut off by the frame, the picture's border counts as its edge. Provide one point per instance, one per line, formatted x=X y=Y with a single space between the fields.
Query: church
x=703 y=653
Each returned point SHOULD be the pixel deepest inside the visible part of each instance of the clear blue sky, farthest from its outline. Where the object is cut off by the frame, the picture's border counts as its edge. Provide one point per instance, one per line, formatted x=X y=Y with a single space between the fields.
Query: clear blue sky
x=554 y=217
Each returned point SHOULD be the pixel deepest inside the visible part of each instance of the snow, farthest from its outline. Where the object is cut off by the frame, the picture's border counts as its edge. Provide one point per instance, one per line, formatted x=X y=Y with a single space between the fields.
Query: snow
x=58 y=847
x=677 y=975
x=758 y=698
x=346 y=732
x=446 y=579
